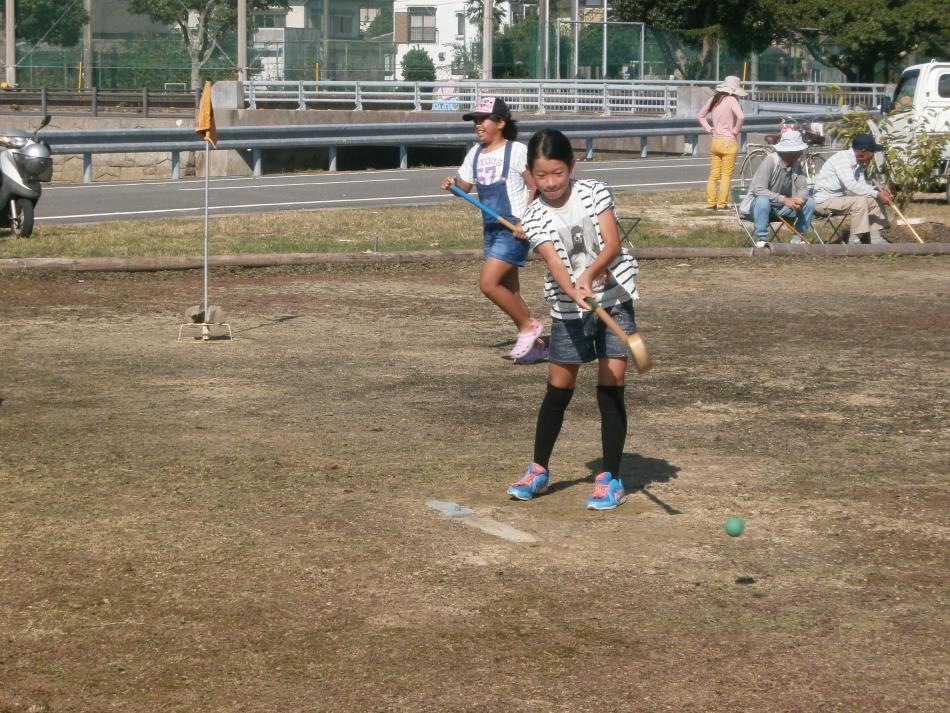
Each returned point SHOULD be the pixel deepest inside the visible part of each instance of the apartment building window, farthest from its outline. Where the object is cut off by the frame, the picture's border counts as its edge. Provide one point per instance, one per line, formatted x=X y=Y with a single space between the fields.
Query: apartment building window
x=341 y=26
x=368 y=14
x=270 y=19
x=460 y=25
x=422 y=24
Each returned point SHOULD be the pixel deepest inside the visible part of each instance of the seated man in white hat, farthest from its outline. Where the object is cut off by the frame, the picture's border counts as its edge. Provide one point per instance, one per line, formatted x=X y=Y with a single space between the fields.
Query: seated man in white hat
x=844 y=174
x=779 y=188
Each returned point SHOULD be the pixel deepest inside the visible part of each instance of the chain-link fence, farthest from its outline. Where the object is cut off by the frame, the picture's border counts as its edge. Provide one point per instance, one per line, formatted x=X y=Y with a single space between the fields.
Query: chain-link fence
x=160 y=61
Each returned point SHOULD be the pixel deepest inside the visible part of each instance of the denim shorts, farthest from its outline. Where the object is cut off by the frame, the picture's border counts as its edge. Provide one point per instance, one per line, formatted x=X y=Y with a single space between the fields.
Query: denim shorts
x=502 y=245
x=577 y=341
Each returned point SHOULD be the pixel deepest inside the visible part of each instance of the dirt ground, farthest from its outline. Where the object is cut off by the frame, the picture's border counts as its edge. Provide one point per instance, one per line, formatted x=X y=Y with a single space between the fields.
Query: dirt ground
x=243 y=526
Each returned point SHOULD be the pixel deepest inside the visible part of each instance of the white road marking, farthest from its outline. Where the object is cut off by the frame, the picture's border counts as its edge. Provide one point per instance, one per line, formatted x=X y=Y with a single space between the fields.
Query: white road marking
x=305 y=183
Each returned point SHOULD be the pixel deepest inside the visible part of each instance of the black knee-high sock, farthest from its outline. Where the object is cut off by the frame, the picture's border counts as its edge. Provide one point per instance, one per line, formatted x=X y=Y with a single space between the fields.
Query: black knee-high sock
x=613 y=426
x=550 y=418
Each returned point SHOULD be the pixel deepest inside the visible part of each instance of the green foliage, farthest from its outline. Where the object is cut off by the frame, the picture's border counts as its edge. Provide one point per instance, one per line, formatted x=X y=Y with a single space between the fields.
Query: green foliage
x=34 y=18
x=417 y=66
x=475 y=12
x=623 y=47
x=383 y=22
x=216 y=18
x=855 y=35
x=911 y=158
x=744 y=25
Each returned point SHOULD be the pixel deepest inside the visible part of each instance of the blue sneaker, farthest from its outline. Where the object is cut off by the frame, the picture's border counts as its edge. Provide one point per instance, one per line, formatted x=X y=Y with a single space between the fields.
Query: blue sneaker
x=533 y=482
x=608 y=493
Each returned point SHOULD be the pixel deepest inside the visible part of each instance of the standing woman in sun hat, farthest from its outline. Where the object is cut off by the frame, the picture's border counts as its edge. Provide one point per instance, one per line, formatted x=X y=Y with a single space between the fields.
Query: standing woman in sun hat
x=497 y=166
x=727 y=117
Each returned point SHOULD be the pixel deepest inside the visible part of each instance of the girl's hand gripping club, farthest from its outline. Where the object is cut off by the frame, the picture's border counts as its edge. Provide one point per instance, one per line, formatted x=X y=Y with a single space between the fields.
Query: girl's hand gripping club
x=634 y=342
x=481 y=206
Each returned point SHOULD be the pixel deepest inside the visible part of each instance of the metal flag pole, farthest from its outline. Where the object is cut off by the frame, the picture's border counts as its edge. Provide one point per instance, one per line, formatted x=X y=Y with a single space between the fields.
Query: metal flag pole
x=205 y=331
x=200 y=315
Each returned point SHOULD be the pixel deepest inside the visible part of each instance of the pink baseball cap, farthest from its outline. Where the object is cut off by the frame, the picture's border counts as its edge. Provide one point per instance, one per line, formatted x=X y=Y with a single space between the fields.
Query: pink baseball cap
x=489 y=106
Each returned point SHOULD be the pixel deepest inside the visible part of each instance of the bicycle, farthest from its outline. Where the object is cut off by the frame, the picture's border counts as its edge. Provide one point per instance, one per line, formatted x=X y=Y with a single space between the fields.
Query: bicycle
x=811 y=159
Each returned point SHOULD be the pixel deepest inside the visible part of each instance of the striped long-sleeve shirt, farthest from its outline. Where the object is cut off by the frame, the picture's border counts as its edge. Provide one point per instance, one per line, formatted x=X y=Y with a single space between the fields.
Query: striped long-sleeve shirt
x=542 y=224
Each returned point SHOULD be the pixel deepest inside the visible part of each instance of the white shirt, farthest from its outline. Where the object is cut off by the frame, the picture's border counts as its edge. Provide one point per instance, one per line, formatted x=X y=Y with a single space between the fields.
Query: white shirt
x=490 y=165
x=842 y=174
x=574 y=231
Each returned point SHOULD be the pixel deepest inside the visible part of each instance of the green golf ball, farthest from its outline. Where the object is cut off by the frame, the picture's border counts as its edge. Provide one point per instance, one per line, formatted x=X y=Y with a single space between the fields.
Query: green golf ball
x=734 y=526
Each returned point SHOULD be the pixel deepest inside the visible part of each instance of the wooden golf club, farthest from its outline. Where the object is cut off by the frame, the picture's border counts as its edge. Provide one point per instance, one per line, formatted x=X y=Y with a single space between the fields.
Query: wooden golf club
x=481 y=206
x=634 y=342
x=792 y=228
x=909 y=226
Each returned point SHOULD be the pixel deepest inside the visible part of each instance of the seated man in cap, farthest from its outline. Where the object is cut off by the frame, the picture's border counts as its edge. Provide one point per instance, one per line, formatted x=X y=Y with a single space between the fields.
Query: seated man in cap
x=844 y=174
x=780 y=189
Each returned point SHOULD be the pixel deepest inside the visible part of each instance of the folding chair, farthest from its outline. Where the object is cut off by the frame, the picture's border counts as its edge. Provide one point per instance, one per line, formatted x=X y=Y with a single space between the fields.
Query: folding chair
x=832 y=224
x=626 y=224
x=746 y=222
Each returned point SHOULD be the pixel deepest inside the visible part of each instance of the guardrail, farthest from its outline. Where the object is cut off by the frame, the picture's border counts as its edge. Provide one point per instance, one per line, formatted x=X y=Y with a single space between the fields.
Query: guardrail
x=260 y=138
x=537 y=97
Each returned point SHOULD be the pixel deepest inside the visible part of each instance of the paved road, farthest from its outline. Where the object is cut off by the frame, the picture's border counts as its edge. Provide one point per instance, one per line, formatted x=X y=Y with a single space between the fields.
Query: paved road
x=99 y=202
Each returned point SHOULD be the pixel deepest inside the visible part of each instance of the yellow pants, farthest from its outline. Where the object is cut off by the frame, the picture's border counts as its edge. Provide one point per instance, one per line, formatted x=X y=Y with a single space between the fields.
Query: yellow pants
x=722 y=162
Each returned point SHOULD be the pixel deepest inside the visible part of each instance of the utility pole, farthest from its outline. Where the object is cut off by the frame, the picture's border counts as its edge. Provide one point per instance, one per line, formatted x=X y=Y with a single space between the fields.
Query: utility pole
x=575 y=36
x=488 y=30
x=543 y=17
x=325 y=29
x=87 y=56
x=9 y=17
x=242 y=40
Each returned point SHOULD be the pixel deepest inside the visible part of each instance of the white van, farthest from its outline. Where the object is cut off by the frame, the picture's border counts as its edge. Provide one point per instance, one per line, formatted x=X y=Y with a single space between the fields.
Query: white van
x=923 y=92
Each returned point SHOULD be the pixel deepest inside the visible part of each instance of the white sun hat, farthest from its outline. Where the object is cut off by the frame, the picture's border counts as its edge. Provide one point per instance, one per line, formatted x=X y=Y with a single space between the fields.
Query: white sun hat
x=791 y=142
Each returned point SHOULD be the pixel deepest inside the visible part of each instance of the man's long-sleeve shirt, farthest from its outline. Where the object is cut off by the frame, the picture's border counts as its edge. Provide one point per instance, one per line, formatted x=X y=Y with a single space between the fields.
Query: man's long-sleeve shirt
x=842 y=174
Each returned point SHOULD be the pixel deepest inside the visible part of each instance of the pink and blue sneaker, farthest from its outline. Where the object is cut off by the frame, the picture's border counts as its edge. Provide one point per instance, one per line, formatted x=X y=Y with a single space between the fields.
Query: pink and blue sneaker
x=533 y=482
x=608 y=493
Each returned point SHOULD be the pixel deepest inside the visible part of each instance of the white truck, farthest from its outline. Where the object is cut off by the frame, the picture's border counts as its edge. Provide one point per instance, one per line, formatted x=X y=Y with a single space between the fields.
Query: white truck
x=922 y=98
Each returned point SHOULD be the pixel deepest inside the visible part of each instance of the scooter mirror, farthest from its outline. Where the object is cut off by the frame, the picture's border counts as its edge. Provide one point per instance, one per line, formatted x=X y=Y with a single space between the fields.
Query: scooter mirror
x=45 y=122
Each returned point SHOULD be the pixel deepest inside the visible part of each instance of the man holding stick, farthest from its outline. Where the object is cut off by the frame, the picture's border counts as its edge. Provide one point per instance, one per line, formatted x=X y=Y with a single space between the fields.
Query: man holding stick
x=843 y=174
x=779 y=189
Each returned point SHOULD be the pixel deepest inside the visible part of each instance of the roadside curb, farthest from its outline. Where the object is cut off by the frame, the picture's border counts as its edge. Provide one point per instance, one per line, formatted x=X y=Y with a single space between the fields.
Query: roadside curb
x=154 y=264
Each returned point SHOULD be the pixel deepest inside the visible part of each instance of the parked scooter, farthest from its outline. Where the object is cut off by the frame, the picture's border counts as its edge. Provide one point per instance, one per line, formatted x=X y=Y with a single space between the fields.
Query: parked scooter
x=25 y=162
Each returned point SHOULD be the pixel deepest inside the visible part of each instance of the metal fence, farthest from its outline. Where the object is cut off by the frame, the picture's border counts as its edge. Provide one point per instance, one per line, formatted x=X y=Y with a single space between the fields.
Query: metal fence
x=646 y=98
x=535 y=97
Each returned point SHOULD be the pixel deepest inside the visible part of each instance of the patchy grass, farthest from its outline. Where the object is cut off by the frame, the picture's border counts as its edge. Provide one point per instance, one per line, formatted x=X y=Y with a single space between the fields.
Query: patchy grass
x=668 y=218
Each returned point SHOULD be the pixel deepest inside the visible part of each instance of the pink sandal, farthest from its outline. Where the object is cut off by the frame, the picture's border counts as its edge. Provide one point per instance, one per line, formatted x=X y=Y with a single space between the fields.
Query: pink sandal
x=526 y=340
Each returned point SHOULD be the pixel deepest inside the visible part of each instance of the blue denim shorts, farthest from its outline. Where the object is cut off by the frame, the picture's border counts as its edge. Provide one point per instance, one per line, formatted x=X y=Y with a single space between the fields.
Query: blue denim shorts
x=578 y=341
x=502 y=245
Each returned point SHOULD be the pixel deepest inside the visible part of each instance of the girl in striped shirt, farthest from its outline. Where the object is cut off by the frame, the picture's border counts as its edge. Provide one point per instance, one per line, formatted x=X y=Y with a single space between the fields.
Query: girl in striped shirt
x=572 y=225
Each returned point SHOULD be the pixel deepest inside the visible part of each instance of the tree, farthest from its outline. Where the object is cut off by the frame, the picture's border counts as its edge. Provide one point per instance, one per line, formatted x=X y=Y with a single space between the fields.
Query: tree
x=855 y=35
x=50 y=21
x=475 y=12
x=214 y=19
x=417 y=66
x=382 y=24
x=745 y=25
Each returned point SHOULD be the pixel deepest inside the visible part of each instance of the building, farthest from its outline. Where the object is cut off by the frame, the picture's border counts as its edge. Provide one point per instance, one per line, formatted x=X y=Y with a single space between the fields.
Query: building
x=444 y=32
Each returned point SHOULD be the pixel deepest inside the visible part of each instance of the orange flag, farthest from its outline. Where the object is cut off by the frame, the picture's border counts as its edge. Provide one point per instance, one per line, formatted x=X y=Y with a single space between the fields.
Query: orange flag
x=205 y=119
